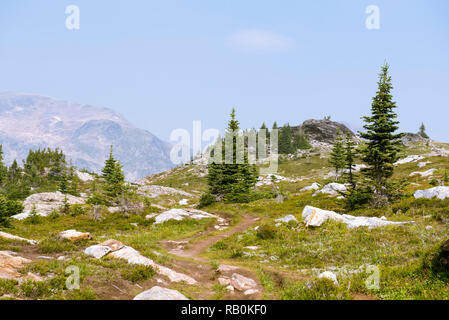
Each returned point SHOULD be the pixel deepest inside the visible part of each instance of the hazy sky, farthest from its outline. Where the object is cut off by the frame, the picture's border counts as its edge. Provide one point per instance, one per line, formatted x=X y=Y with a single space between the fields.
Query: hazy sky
x=165 y=63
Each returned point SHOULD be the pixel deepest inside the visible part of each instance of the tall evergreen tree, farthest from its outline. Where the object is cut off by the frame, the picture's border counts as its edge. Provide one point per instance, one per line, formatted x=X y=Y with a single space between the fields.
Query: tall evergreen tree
x=337 y=155
x=285 y=140
x=113 y=175
x=231 y=180
x=382 y=143
x=3 y=168
x=349 y=157
x=63 y=184
x=422 y=131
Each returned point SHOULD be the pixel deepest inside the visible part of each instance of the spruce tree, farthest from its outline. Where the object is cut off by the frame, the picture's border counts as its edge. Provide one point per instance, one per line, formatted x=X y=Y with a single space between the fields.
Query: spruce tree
x=113 y=176
x=337 y=155
x=285 y=140
x=231 y=180
x=422 y=131
x=3 y=168
x=382 y=145
x=4 y=212
x=349 y=157
x=63 y=184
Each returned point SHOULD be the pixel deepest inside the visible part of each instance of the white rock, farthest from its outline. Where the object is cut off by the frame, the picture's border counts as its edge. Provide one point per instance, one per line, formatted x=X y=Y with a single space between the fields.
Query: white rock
x=45 y=203
x=315 y=217
x=315 y=186
x=250 y=292
x=134 y=257
x=427 y=173
x=113 y=209
x=242 y=283
x=74 y=235
x=154 y=191
x=97 y=251
x=287 y=219
x=230 y=288
x=159 y=293
x=429 y=227
x=84 y=176
x=180 y=214
x=253 y=247
x=8 y=236
x=226 y=268
x=412 y=158
x=329 y=275
x=224 y=281
x=183 y=202
x=332 y=189
x=270 y=178
x=423 y=164
x=439 y=192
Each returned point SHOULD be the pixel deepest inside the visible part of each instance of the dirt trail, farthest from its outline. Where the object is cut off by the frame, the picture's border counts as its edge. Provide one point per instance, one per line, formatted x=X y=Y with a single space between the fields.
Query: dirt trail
x=199 y=268
x=194 y=250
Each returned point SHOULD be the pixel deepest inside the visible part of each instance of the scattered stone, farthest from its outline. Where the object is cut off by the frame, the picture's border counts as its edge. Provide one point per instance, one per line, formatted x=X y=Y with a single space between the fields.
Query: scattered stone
x=315 y=217
x=230 y=288
x=242 y=283
x=10 y=263
x=61 y=258
x=287 y=219
x=154 y=191
x=332 y=189
x=159 y=293
x=253 y=247
x=412 y=158
x=429 y=227
x=8 y=236
x=224 y=281
x=114 y=209
x=439 y=192
x=45 y=258
x=74 y=235
x=423 y=164
x=315 y=186
x=133 y=256
x=223 y=268
x=250 y=292
x=97 y=251
x=270 y=178
x=180 y=214
x=329 y=275
x=84 y=176
x=427 y=173
x=45 y=203
x=183 y=202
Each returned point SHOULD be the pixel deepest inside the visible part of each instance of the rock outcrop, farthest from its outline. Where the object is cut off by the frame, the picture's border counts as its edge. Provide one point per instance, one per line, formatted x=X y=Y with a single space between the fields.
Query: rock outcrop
x=410 y=139
x=315 y=217
x=132 y=256
x=8 y=236
x=323 y=130
x=332 y=189
x=45 y=203
x=181 y=214
x=438 y=192
x=11 y=263
x=74 y=235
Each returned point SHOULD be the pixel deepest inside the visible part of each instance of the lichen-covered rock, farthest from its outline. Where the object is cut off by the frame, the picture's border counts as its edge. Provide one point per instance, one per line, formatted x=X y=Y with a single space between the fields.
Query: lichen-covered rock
x=180 y=214
x=159 y=293
x=74 y=235
x=409 y=159
x=11 y=263
x=315 y=217
x=8 y=236
x=438 y=192
x=329 y=275
x=45 y=203
x=332 y=189
x=97 y=251
x=242 y=283
x=423 y=174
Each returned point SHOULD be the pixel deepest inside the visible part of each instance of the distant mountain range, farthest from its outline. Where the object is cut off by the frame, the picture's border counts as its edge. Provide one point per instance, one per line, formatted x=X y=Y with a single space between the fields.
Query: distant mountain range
x=83 y=132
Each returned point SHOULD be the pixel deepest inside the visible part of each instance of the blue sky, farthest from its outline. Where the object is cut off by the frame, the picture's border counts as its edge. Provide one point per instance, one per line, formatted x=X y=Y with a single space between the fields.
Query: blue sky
x=163 y=64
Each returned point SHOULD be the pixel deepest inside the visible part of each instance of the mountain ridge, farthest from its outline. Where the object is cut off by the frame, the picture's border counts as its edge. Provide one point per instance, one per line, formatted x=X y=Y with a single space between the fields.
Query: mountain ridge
x=84 y=132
